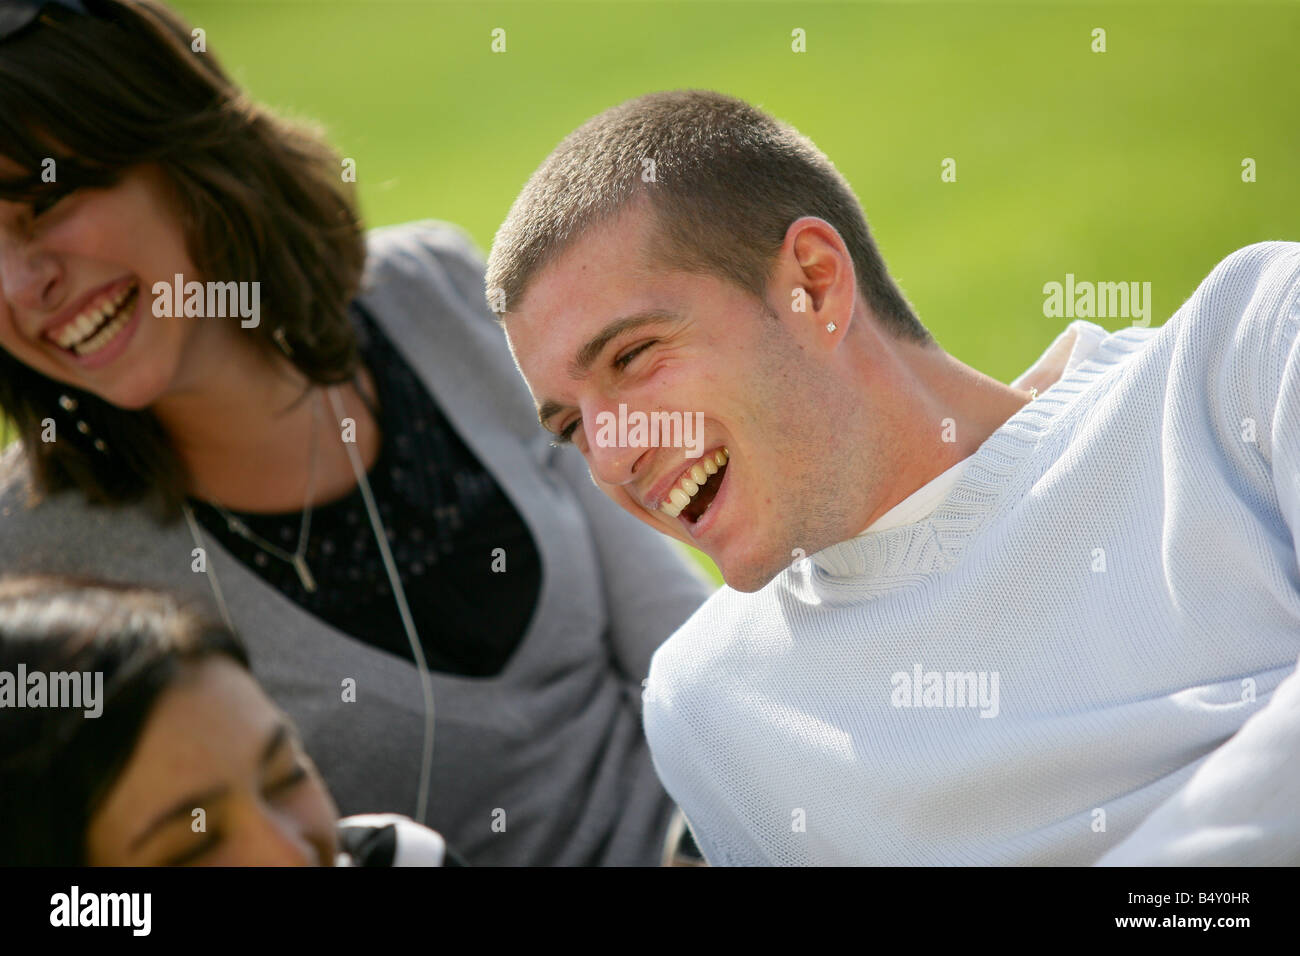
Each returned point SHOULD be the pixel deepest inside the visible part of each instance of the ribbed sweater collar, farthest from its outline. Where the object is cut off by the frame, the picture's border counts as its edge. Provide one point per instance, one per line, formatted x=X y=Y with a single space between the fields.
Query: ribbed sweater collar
x=999 y=474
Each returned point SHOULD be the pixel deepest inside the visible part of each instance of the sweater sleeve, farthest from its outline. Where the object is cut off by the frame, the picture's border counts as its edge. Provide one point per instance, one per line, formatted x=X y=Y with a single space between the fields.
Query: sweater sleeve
x=1239 y=808
x=1259 y=374
x=1286 y=437
x=1256 y=378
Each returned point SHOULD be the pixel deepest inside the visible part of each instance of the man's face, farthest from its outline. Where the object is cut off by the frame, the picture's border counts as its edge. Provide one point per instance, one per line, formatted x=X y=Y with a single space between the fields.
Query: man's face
x=602 y=326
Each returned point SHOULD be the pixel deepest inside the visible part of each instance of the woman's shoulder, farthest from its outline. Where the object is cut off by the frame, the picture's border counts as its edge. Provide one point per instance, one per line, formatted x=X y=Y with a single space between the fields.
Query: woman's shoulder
x=62 y=531
x=424 y=287
x=25 y=522
x=16 y=496
x=431 y=256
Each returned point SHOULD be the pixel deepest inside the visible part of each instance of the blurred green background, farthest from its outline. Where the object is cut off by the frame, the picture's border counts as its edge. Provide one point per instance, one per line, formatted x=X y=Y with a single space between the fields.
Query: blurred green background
x=1122 y=165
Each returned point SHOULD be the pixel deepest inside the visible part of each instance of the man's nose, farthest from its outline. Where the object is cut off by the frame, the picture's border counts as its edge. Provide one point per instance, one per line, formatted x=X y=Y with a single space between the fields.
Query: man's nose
x=611 y=459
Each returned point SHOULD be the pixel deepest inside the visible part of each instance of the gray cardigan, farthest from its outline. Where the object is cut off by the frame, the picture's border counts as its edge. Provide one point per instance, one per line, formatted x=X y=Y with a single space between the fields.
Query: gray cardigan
x=545 y=763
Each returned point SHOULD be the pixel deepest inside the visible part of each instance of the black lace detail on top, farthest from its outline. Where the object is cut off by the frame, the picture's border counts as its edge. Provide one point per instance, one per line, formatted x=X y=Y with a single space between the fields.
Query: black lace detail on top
x=445 y=516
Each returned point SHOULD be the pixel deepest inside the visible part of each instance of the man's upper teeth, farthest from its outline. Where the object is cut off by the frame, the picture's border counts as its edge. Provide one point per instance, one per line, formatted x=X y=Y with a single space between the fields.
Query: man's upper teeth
x=76 y=331
x=689 y=484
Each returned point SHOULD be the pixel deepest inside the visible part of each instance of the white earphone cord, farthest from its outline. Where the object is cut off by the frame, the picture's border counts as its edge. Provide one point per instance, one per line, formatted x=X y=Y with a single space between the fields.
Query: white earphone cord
x=408 y=622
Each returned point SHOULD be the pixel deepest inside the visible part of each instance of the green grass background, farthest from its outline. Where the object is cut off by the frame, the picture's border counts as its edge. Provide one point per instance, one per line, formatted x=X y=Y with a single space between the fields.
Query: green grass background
x=1123 y=165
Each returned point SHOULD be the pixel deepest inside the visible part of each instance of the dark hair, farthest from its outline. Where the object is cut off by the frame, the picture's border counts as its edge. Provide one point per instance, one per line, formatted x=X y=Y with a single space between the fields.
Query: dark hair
x=729 y=180
x=56 y=764
x=260 y=199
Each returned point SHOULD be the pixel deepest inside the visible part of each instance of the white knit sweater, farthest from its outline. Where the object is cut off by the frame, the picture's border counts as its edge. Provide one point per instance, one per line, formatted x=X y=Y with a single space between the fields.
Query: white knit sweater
x=1104 y=598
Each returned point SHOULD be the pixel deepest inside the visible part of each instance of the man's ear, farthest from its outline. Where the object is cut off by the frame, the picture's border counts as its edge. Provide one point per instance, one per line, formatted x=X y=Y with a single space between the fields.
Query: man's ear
x=820 y=285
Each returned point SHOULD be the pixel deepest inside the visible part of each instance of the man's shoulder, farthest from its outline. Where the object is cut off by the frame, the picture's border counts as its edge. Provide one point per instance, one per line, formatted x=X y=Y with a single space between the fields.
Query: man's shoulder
x=1270 y=262
x=1250 y=294
x=1238 y=325
x=1234 y=336
x=1251 y=290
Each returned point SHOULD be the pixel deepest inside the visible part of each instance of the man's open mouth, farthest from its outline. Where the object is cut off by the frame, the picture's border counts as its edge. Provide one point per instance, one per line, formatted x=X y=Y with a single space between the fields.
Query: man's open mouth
x=697 y=487
x=97 y=326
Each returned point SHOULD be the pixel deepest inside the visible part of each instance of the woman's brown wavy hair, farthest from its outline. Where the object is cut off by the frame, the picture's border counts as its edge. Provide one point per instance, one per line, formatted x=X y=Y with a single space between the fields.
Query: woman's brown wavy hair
x=262 y=199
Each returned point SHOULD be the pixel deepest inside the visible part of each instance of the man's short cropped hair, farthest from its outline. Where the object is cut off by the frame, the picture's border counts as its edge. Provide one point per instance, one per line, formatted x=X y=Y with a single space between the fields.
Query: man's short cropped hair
x=724 y=181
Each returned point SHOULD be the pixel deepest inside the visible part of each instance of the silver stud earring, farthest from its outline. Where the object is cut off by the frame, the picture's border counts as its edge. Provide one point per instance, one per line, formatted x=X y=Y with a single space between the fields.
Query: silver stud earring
x=830 y=326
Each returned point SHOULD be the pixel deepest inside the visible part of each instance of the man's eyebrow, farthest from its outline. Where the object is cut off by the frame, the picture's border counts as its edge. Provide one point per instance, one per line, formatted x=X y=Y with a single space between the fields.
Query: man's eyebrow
x=591 y=350
x=548 y=410
x=596 y=344
x=185 y=806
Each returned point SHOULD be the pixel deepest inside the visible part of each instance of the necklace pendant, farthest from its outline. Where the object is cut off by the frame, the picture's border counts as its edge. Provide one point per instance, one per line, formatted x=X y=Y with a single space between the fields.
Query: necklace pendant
x=304 y=573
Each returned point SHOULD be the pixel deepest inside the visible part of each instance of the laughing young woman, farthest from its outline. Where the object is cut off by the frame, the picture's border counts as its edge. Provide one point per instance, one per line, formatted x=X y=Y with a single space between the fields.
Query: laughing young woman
x=357 y=478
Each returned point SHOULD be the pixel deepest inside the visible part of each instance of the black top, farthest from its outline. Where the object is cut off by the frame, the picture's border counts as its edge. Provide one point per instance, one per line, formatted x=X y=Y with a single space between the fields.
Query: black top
x=445 y=518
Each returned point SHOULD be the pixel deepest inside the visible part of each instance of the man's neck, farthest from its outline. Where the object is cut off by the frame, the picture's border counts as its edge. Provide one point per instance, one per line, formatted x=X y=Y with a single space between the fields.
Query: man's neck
x=950 y=410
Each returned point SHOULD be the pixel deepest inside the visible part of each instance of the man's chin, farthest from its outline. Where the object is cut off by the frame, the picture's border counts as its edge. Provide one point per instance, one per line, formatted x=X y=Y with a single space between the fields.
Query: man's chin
x=748 y=576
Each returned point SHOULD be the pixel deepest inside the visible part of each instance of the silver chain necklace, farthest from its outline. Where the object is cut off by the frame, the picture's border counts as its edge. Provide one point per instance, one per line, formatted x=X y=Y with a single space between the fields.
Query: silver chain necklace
x=298 y=557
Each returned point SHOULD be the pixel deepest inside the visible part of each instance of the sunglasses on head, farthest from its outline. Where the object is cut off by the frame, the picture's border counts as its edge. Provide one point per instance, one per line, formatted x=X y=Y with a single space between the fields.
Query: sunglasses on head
x=16 y=15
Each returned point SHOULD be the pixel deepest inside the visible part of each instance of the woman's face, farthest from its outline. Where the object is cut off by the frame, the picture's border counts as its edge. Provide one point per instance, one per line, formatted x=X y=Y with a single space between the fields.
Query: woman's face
x=76 y=289
x=217 y=778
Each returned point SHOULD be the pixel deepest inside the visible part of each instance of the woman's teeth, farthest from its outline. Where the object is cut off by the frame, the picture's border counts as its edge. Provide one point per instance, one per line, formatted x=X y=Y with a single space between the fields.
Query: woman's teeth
x=689 y=485
x=90 y=332
x=107 y=334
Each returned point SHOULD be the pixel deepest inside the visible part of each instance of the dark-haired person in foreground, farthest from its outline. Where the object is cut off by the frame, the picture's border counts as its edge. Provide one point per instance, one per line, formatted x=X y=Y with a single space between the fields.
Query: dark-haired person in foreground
x=349 y=466
x=144 y=740
x=1022 y=624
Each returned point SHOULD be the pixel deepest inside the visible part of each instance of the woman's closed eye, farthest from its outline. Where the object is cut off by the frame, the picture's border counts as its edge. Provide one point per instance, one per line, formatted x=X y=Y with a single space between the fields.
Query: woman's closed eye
x=296 y=776
x=193 y=854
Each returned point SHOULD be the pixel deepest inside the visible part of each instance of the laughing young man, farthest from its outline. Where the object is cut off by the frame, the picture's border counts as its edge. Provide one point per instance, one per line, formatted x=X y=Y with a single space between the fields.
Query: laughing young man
x=1024 y=626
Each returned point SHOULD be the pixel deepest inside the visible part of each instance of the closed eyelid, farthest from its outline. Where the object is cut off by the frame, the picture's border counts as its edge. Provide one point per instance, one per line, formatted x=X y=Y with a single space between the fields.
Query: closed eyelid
x=565 y=435
x=189 y=855
x=588 y=353
x=296 y=775
x=550 y=409
x=622 y=361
